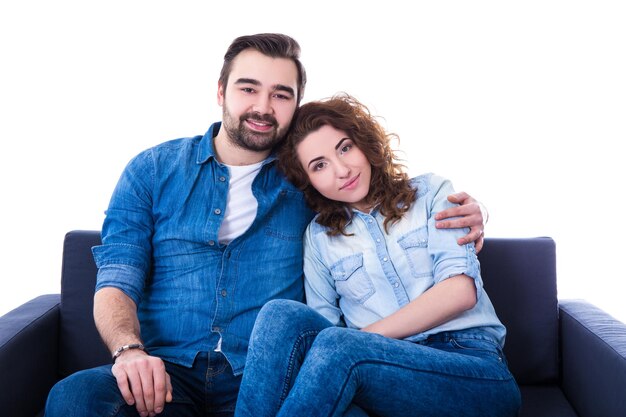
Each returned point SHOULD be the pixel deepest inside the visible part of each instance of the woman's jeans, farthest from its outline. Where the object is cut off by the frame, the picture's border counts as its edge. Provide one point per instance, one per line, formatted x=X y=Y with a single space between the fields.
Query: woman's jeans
x=209 y=388
x=298 y=364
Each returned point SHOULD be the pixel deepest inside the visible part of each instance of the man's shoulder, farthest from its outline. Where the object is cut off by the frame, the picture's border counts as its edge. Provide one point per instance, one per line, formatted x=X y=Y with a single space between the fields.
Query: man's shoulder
x=176 y=144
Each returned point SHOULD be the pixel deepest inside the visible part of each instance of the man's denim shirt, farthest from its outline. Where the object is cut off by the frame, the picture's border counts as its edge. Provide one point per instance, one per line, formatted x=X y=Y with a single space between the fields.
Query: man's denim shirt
x=160 y=247
x=357 y=280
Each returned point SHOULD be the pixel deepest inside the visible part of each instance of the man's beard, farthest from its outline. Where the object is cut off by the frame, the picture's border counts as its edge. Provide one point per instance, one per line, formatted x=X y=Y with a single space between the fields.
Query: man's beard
x=242 y=136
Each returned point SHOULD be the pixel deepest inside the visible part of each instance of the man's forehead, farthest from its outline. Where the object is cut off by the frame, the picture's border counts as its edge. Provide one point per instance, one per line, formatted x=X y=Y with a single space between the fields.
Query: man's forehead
x=252 y=64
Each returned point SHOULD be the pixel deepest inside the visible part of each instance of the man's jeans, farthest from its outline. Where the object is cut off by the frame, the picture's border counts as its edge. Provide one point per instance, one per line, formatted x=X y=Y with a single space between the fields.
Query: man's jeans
x=298 y=364
x=207 y=389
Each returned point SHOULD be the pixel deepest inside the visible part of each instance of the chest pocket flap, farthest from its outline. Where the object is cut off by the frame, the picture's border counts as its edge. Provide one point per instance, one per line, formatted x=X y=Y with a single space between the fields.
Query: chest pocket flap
x=351 y=279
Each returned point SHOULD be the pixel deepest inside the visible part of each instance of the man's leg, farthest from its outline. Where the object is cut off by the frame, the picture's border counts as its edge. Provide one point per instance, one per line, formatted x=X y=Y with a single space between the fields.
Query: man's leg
x=282 y=335
x=95 y=392
x=391 y=377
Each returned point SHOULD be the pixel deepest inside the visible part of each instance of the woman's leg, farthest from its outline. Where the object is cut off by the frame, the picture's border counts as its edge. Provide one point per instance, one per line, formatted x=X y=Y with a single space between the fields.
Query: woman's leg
x=283 y=333
x=460 y=374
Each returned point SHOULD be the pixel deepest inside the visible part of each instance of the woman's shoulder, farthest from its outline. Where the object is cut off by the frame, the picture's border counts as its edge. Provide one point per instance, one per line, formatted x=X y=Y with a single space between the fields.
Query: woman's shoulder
x=426 y=183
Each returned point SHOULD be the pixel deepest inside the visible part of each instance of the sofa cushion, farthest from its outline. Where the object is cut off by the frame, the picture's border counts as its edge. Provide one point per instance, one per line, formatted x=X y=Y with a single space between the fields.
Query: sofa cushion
x=545 y=401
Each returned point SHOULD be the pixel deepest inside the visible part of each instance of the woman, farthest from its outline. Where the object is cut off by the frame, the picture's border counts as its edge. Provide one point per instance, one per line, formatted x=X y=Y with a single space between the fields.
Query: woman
x=398 y=323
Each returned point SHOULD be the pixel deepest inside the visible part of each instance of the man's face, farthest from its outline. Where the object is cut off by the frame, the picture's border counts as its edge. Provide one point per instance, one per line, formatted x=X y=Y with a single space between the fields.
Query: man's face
x=259 y=100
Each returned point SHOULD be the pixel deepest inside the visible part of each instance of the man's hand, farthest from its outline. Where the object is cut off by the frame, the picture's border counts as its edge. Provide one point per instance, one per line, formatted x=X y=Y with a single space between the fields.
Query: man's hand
x=143 y=381
x=470 y=213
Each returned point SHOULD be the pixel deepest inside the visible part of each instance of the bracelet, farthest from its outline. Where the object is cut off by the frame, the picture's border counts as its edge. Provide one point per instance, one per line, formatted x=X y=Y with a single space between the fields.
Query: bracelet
x=121 y=349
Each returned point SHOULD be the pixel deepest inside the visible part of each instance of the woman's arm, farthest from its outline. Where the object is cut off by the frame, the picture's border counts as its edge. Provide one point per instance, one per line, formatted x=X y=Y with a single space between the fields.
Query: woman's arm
x=471 y=213
x=439 y=304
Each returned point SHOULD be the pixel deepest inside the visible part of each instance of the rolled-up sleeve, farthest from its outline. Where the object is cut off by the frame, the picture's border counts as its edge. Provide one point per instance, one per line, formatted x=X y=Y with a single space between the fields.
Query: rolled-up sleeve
x=449 y=258
x=123 y=259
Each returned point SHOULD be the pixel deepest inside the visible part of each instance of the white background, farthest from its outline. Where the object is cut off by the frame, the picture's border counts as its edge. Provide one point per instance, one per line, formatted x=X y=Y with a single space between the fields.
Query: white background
x=522 y=104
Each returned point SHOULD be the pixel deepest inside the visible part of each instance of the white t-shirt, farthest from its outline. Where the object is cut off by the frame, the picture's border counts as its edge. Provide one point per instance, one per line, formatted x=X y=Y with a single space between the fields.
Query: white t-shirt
x=241 y=206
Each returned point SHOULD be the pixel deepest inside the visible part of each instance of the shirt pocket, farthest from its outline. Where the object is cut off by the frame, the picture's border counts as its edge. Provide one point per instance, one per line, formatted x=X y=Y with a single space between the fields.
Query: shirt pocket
x=351 y=279
x=415 y=247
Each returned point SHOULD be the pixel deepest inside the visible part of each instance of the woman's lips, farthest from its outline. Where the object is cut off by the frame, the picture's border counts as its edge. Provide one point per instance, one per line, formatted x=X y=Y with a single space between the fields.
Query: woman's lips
x=351 y=183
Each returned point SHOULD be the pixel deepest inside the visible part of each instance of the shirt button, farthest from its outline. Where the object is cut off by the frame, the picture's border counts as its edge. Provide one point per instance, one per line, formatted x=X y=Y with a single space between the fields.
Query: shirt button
x=217 y=211
x=216 y=329
x=370 y=221
x=211 y=242
x=222 y=179
x=378 y=240
x=396 y=284
x=224 y=293
x=385 y=259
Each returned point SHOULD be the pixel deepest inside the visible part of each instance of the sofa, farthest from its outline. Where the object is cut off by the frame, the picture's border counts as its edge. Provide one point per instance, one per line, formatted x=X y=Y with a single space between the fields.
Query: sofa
x=568 y=356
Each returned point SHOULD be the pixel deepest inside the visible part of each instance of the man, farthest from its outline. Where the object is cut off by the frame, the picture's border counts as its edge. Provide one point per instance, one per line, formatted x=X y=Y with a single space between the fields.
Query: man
x=200 y=233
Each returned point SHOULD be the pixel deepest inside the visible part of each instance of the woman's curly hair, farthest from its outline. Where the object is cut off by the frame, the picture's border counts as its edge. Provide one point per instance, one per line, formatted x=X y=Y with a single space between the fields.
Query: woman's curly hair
x=390 y=189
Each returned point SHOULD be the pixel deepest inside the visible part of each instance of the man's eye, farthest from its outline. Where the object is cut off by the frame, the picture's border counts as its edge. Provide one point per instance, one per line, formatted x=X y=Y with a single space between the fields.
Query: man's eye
x=247 y=90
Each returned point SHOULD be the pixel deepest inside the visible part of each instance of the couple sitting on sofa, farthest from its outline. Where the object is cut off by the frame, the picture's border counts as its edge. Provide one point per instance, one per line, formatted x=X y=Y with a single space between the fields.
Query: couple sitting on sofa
x=203 y=241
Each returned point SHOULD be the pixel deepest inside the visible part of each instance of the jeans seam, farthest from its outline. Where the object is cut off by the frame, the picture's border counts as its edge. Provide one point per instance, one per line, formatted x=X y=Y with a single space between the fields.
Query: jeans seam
x=292 y=355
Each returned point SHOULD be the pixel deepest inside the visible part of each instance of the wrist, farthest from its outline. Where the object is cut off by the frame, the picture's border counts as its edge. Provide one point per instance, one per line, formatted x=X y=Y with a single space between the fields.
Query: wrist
x=124 y=348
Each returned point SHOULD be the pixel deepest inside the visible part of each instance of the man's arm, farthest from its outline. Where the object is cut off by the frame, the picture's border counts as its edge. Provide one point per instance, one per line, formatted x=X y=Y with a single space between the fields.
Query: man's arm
x=141 y=378
x=470 y=214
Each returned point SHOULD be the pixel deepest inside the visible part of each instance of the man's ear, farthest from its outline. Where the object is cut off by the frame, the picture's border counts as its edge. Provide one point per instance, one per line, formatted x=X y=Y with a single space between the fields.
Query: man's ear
x=220 y=94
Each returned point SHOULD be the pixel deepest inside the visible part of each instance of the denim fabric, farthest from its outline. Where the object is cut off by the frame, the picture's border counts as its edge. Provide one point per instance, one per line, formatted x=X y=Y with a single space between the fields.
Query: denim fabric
x=301 y=365
x=160 y=246
x=362 y=278
x=209 y=388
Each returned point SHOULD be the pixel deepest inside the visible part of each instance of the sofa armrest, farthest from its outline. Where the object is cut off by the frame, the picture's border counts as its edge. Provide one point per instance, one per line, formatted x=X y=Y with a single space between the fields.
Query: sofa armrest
x=593 y=355
x=28 y=355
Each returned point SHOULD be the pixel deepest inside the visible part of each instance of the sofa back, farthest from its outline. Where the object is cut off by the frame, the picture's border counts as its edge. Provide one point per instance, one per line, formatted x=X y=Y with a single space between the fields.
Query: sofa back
x=519 y=276
x=80 y=346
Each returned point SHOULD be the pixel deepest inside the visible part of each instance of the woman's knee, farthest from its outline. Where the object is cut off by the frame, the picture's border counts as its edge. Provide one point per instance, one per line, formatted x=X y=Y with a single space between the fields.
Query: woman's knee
x=339 y=345
x=288 y=317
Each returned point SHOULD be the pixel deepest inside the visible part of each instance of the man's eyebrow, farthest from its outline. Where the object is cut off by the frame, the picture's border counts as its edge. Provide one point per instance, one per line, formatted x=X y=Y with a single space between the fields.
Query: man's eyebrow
x=284 y=88
x=248 y=81
x=277 y=87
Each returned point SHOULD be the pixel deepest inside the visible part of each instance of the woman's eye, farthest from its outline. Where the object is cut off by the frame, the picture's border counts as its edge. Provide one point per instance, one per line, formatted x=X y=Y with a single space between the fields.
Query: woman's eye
x=318 y=166
x=346 y=148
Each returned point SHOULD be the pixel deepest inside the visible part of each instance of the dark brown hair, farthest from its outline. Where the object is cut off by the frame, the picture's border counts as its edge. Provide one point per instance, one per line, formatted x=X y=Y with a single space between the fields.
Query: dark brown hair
x=390 y=188
x=274 y=45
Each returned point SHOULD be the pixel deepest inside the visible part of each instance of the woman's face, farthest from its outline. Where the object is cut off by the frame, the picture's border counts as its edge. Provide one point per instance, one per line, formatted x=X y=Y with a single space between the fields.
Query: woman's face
x=335 y=166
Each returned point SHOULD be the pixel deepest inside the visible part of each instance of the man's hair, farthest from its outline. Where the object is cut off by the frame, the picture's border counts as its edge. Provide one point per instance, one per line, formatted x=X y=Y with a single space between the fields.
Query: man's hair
x=274 y=45
x=390 y=187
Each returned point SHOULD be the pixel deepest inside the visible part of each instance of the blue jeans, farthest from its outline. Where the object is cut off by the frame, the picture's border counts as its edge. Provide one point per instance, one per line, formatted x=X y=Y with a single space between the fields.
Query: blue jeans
x=298 y=364
x=209 y=388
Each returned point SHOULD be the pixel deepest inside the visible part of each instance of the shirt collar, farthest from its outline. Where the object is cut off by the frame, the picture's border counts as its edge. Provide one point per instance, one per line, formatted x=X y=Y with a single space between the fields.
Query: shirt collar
x=206 y=150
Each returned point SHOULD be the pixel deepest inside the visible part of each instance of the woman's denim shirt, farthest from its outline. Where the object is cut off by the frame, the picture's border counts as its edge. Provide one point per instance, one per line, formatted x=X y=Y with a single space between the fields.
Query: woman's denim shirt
x=160 y=247
x=363 y=278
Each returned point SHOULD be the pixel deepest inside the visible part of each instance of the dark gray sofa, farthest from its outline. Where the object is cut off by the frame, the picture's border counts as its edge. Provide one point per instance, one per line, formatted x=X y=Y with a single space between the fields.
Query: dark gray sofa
x=568 y=356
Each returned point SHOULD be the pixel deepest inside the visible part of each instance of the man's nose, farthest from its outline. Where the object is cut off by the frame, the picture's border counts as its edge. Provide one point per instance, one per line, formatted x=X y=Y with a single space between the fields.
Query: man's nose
x=262 y=105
